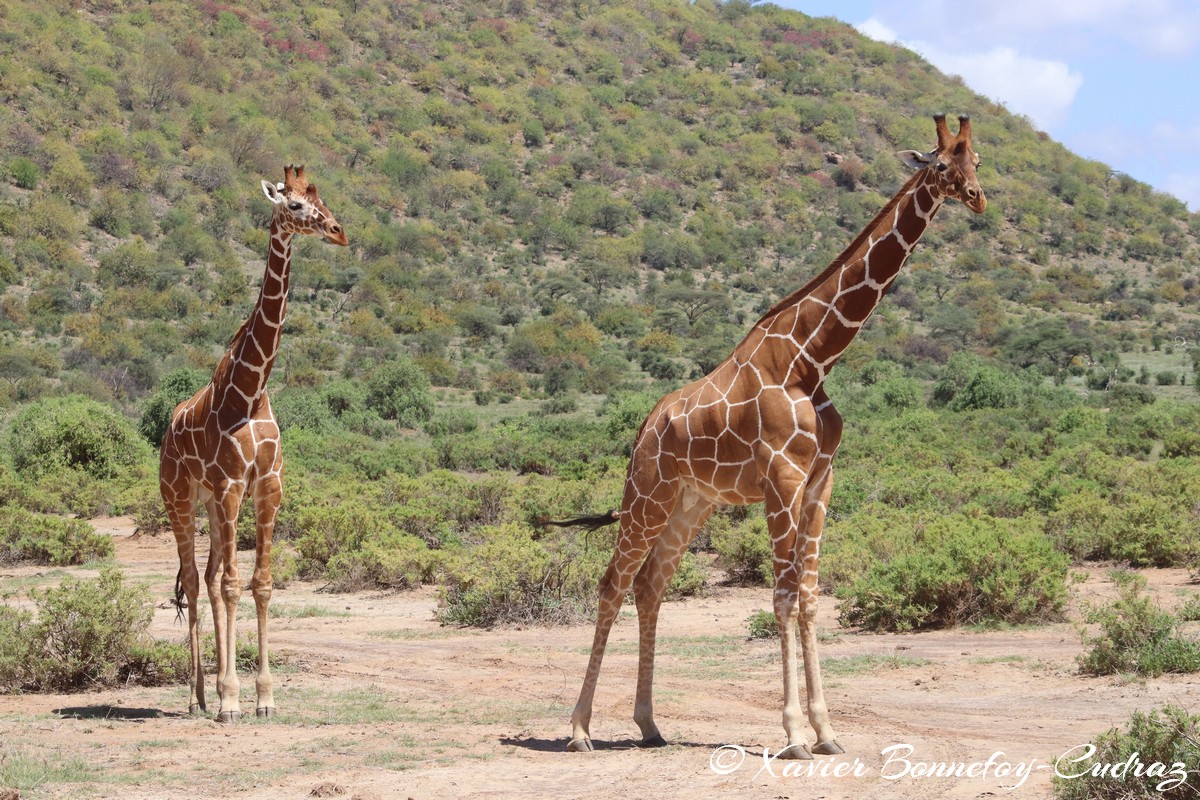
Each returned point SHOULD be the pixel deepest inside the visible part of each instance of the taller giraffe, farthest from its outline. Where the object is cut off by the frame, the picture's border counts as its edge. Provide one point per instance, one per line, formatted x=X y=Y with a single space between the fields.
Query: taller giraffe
x=223 y=444
x=760 y=427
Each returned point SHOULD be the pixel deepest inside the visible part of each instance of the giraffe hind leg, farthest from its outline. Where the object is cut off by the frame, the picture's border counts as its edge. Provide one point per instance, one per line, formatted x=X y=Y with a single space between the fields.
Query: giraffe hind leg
x=633 y=543
x=267 y=494
x=649 y=587
x=187 y=594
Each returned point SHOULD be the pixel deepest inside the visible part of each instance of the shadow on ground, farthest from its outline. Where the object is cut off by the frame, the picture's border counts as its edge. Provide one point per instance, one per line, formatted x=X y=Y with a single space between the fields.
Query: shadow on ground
x=115 y=712
x=559 y=745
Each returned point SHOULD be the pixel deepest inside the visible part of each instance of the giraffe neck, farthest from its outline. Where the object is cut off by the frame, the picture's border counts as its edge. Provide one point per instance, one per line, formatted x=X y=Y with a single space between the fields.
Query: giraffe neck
x=241 y=377
x=803 y=335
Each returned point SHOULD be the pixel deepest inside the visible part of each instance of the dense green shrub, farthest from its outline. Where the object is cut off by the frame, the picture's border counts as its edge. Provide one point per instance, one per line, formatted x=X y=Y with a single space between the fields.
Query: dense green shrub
x=25 y=173
x=143 y=501
x=85 y=634
x=19 y=651
x=321 y=532
x=89 y=628
x=874 y=533
x=763 y=625
x=388 y=560
x=1120 y=764
x=73 y=431
x=285 y=563
x=987 y=387
x=45 y=539
x=533 y=444
x=303 y=408
x=959 y=570
x=743 y=550
x=624 y=414
x=954 y=376
x=454 y=421
x=175 y=387
x=689 y=579
x=1190 y=610
x=511 y=577
x=897 y=393
x=400 y=390
x=1136 y=636
x=354 y=547
x=1139 y=528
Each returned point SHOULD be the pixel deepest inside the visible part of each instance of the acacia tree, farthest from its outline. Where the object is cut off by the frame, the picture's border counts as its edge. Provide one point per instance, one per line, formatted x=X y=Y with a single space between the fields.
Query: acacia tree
x=694 y=302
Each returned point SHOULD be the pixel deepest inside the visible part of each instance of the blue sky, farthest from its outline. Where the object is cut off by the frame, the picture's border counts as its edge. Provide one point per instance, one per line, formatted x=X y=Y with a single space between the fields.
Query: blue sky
x=1114 y=80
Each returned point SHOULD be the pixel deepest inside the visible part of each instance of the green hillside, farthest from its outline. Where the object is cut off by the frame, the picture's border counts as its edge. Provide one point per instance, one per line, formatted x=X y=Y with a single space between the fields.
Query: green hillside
x=557 y=211
x=588 y=193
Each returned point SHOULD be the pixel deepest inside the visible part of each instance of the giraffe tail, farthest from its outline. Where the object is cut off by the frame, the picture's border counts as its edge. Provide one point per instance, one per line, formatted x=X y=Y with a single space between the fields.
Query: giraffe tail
x=180 y=601
x=590 y=522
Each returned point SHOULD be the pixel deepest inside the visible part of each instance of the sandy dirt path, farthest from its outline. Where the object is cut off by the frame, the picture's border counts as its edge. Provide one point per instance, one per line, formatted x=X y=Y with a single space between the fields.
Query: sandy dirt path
x=377 y=700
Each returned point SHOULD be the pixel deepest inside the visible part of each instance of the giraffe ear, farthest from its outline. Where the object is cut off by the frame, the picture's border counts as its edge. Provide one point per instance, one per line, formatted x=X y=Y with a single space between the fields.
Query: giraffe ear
x=915 y=159
x=274 y=193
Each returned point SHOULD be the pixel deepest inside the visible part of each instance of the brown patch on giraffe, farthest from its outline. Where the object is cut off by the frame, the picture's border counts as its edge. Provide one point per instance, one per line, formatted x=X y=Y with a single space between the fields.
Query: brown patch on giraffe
x=731 y=448
x=883 y=256
x=925 y=205
x=702 y=449
x=857 y=303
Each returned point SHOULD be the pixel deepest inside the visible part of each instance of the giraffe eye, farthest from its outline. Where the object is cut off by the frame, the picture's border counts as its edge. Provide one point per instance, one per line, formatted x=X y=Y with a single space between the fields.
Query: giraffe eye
x=941 y=167
x=295 y=205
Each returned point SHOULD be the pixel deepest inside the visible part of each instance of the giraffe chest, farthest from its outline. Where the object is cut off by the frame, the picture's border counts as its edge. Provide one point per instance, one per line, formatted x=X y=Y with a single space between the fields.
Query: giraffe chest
x=213 y=458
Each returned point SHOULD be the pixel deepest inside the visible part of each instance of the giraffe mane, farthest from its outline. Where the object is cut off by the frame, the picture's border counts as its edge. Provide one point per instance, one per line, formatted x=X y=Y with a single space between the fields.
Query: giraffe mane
x=845 y=255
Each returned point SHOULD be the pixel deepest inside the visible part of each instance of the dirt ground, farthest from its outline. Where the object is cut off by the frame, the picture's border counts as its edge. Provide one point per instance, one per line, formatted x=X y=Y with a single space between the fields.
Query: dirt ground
x=378 y=701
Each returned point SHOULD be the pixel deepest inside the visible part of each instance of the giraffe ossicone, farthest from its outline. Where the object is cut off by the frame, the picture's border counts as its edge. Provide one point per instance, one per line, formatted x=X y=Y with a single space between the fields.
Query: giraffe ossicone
x=222 y=446
x=760 y=428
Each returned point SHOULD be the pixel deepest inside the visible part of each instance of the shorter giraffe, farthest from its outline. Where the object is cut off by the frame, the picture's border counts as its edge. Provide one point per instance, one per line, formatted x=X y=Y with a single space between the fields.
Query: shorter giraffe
x=223 y=445
x=760 y=428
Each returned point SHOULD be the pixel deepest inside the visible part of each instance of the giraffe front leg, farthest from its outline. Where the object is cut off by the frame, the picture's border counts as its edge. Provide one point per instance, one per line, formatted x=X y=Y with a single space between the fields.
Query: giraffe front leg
x=784 y=506
x=229 y=593
x=786 y=611
x=817 y=501
x=266 y=506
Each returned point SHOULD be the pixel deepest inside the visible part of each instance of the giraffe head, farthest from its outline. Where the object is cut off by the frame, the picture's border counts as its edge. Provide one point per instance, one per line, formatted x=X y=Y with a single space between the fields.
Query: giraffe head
x=952 y=165
x=298 y=209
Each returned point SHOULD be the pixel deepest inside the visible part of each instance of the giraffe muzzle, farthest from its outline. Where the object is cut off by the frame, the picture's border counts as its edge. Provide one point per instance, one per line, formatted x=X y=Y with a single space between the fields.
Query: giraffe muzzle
x=975 y=200
x=335 y=235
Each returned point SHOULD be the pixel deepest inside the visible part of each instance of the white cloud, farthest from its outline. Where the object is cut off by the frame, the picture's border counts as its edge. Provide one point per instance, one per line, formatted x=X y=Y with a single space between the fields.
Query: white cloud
x=1160 y=28
x=1042 y=89
x=877 y=30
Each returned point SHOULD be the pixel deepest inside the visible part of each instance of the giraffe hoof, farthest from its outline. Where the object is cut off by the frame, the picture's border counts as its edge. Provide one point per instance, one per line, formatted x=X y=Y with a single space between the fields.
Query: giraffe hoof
x=654 y=741
x=794 y=752
x=579 y=746
x=195 y=709
x=830 y=748
x=231 y=717
x=265 y=711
